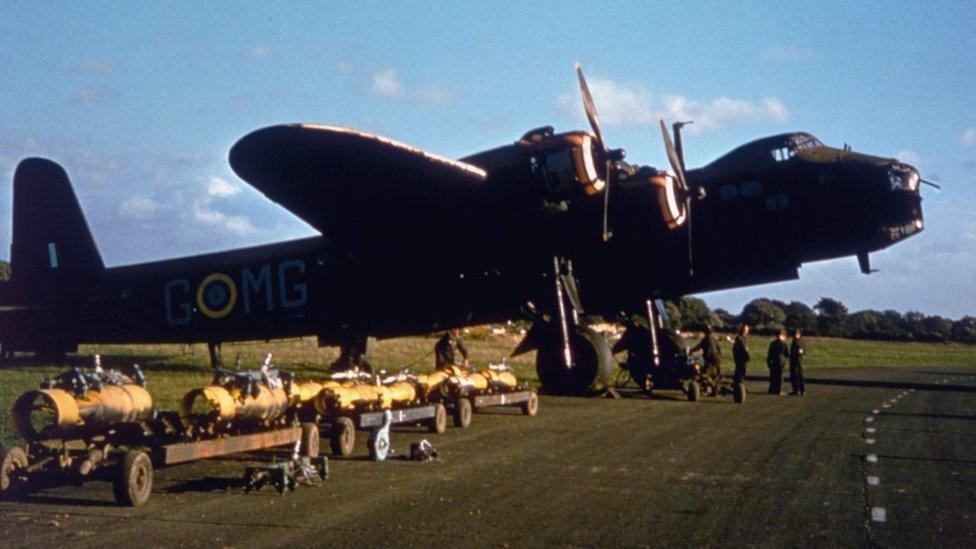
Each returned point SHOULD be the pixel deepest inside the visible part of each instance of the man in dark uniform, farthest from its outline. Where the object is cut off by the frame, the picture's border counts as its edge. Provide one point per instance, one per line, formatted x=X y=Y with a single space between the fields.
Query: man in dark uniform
x=450 y=350
x=776 y=358
x=712 y=356
x=797 y=350
x=740 y=354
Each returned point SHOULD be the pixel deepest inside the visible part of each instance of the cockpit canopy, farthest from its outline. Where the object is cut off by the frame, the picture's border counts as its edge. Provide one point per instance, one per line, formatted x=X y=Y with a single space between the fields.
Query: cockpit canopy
x=761 y=152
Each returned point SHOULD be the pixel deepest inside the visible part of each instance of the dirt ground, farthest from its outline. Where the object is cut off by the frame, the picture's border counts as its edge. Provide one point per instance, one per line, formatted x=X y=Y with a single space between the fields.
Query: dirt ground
x=868 y=457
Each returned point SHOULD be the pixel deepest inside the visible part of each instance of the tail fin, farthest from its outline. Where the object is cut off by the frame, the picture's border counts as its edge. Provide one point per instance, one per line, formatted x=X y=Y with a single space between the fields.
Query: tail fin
x=52 y=244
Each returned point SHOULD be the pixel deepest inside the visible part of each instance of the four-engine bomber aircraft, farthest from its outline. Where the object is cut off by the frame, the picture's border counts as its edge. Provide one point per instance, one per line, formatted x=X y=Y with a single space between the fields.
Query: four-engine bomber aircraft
x=413 y=242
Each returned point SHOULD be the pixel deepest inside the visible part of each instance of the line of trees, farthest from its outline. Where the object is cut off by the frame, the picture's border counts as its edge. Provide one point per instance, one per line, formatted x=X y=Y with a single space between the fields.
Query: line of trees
x=4 y=270
x=828 y=317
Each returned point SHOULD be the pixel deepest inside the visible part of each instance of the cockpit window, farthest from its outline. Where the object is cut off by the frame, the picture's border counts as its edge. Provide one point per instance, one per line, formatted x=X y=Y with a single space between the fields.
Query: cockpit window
x=805 y=141
x=796 y=142
x=773 y=149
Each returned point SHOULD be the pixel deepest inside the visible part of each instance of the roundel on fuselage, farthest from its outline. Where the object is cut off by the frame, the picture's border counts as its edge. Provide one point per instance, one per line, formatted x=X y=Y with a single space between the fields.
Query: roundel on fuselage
x=216 y=295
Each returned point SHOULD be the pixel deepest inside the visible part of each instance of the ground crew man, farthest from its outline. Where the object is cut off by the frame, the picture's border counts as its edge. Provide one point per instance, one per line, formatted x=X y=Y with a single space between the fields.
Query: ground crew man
x=797 y=350
x=450 y=350
x=776 y=358
x=712 y=355
x=740 y=354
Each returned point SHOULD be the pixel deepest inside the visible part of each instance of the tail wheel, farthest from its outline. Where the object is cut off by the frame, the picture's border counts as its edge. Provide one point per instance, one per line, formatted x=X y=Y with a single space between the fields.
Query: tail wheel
x=134 y=479
x=342 y=437
x=310 y=440
x=694 y=391
x=438 y=423
x=12 y=459
x=462 y=413
x=531 y=407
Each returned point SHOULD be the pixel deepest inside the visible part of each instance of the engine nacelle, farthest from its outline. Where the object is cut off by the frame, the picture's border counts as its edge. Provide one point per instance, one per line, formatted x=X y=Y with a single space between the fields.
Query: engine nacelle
x=568 y=163
x=669 y=198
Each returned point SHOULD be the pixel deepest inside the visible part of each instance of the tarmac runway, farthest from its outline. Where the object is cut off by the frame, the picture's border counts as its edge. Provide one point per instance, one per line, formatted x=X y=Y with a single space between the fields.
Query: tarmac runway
x=868 y=457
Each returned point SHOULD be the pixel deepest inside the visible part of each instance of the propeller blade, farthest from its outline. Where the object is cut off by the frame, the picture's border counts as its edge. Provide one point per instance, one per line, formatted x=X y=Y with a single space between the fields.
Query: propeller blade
x=673 y=156
x=931 y=184
x=691 y=259
x=590 y=108
x=606 y=204
x=680 y=173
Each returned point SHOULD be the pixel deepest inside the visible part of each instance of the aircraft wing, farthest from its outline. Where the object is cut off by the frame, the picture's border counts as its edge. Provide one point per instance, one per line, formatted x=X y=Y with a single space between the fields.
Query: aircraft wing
x=354 y=186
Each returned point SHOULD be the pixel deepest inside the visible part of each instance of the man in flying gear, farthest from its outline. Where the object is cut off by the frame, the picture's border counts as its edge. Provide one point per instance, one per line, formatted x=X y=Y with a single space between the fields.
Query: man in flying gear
x=740 y=354
x=712 y=355
x=797 y=350
x=776 y=359
x=450 y=350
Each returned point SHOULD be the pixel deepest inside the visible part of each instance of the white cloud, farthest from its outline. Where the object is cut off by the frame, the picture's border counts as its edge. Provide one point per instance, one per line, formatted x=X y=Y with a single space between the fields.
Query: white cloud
x=620 y=105
x=386 y=84
x=236 y=224
x=787 y=53
x=90 y=95
x=97 y=67
x=969 y=137
x=617 y=104
x=220 y=187
x=909 y=157
x=138 y=207
x=435 y=95
x=724 y=111
x=259 y=51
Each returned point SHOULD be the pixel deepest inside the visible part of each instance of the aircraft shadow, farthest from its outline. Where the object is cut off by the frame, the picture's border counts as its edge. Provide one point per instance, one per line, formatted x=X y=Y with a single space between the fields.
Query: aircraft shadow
x=933 y=416
x=910 y=458
x=890 y=384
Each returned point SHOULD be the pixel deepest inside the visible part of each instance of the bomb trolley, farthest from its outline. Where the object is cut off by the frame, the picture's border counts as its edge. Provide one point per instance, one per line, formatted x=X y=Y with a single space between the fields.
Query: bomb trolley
x=352 y=401
x=465 y=392
x=101 y=425
x=341 y=425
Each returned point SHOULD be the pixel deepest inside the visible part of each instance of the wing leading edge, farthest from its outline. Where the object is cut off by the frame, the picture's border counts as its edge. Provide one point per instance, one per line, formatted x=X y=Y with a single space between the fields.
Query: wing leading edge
x=349 y=184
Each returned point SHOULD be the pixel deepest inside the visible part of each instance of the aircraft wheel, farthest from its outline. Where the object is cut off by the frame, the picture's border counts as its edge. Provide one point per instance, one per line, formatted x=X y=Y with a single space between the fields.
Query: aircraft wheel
x=134 y=479
x=694 y=391
x=531 y=407
x=310 y=440
x=12 y=458
x=462 y=413
x=739 y=393
x=342 y=437
x=592 y=357
x=438 y=423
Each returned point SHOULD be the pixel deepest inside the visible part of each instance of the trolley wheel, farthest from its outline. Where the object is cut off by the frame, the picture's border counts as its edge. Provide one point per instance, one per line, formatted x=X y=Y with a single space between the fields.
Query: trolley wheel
x=310 y=440
x=343 y=437
x=531 y=407
x=462 y=413
x=134 y=479
x=438 y=423
x=11 y=459
x=739 y=393
x=694 y=391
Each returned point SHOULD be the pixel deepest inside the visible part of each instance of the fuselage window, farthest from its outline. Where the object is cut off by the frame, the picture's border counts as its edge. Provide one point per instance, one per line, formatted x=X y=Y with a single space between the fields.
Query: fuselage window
x=750 y=189
x=729 y=192
x=777 y=202
x=783 y=153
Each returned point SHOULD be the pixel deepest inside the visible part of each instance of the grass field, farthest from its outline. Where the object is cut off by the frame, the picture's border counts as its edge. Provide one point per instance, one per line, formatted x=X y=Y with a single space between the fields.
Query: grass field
x=174 y=369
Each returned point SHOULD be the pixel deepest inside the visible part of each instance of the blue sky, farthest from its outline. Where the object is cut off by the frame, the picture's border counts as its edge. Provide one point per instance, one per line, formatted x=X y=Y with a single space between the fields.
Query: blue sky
x=141 y=102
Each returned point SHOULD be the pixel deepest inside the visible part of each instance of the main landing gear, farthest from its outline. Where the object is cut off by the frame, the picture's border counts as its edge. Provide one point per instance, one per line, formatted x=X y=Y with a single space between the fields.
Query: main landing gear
x=572 y=358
